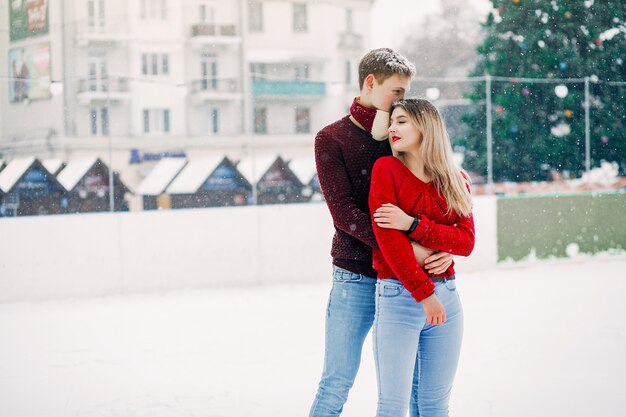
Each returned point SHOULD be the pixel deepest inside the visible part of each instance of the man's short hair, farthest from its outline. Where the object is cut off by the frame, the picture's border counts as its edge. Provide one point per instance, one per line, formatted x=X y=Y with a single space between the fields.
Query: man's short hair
x=384 y=63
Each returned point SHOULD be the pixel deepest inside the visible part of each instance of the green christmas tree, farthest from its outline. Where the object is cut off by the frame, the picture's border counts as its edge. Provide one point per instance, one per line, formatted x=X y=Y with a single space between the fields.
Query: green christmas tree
x=534 y=130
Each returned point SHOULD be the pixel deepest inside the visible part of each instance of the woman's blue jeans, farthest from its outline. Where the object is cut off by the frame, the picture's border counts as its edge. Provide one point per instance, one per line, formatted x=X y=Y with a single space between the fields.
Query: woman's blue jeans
x=349 y=317
x=415 y=362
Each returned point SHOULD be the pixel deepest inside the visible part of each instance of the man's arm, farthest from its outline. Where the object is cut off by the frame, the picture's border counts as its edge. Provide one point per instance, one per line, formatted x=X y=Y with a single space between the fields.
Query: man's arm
x=339 y=193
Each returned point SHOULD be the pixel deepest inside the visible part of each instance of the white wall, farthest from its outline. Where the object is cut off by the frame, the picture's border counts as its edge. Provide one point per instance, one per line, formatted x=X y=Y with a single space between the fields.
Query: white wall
x=101 y=254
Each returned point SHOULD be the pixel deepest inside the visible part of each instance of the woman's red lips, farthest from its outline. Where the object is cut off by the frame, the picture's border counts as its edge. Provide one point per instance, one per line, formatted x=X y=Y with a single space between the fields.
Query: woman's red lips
x=395 y=138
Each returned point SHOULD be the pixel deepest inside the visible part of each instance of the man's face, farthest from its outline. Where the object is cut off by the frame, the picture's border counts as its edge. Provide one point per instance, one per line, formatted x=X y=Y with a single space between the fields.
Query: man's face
x=393 y=88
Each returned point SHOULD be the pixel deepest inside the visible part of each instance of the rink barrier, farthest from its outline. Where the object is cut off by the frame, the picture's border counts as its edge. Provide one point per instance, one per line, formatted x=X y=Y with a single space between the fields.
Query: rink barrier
x=561 y=225
x=99 y=254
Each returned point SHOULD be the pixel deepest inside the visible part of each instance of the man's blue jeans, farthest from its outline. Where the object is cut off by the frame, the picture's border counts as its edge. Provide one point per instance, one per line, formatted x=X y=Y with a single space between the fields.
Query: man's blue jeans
x=415 y=362
x=349 y=317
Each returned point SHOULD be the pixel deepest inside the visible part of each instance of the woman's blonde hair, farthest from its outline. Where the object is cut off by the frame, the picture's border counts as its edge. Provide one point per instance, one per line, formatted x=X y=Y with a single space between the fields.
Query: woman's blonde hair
x=436 y=153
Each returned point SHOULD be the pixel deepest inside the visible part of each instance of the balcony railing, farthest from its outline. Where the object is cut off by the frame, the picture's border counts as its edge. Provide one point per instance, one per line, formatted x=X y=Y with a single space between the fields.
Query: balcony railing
x=288 y=88
x=205 y=29
x=217 y=85
x=99 y=85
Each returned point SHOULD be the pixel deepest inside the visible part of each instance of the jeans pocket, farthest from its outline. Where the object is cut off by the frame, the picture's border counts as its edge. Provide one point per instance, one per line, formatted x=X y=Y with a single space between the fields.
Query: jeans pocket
x=342 y=275
x=451 y=285
x=389 y=289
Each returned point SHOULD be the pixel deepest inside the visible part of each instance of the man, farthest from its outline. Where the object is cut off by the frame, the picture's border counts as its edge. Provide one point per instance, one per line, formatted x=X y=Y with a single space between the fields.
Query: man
x=345 y=152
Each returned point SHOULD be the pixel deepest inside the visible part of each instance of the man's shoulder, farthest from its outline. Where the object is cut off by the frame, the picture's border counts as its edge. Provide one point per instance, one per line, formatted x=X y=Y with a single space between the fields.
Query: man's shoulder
x=336 y=129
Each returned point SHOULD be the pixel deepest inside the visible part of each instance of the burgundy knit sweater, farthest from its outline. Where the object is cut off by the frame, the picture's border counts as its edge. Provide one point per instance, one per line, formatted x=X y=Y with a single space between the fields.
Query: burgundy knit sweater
x=344 y=156
x=393 y=182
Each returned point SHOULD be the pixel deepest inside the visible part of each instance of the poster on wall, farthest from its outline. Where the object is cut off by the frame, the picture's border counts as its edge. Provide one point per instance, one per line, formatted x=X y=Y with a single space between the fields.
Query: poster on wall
x=28 y=18
x=29 y=73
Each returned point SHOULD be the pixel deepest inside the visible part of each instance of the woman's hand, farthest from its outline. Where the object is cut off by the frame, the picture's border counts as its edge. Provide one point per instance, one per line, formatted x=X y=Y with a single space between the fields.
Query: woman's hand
x=389 y=216
x=434 y=310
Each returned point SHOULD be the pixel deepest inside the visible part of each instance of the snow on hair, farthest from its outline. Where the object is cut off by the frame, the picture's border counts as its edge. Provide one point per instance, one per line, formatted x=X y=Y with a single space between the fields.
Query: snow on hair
x=383 y=63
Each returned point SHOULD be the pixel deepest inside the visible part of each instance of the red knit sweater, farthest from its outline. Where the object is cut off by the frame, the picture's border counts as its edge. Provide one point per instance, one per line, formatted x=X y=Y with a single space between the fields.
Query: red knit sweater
x=392 y=182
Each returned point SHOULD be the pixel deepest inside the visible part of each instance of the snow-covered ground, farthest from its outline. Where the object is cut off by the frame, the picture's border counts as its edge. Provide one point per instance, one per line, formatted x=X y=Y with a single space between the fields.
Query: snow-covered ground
x=541 y=339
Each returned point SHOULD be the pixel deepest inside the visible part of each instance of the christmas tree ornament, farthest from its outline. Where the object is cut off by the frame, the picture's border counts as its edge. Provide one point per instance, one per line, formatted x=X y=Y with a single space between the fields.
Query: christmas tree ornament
x=563 y=66
x=514 y=129
x=568 y=113
x=541 y=44
x=516 y=1
x=568 y=15
x=561 y=91
x=499 y=109
x=525 y=91
x=598 y=41
x=604 y=139
x=560 y=130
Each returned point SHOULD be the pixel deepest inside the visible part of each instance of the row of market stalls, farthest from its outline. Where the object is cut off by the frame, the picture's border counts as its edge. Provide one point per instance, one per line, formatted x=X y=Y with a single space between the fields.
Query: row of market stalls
x=29 y=186
x=212 y=182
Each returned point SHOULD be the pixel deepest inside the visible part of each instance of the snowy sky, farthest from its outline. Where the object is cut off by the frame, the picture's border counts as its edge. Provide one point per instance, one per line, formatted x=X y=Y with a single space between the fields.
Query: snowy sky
x=391 y=19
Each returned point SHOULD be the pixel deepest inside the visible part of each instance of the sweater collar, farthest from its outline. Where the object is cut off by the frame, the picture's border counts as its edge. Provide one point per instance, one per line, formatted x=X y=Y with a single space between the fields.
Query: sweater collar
x=363 y=115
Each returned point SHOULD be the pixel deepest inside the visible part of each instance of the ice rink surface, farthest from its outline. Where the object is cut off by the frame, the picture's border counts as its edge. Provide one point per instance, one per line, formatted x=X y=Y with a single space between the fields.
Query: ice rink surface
x=541 y=339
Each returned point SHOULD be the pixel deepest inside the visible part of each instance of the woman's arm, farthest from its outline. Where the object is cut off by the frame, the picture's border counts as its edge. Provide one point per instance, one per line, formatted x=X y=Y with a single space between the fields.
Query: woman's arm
x=395 y=245
x=457 y=239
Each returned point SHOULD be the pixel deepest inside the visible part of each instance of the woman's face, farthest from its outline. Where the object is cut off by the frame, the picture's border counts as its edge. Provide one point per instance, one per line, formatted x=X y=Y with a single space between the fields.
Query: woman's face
x=404 y=134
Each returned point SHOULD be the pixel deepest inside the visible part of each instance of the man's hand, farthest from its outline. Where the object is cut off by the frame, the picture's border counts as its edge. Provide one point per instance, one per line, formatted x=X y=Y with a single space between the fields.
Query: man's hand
x=389 y=216
x=421 y=253
x=434 y=262
x=438 y=263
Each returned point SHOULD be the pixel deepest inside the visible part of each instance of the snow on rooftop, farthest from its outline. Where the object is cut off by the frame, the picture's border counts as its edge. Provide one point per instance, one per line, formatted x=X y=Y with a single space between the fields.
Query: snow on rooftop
x=254 y=168
x=13 y=172
x=52 y=165
x=74 y=172
x=304 y=168
x=193 y=175
x=161 y=176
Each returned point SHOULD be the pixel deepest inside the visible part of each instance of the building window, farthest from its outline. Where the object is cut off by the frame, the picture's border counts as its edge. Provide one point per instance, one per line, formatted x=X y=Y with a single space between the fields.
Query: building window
x=299 y=17
x=207 y=13
x=165 y=64
x=164 y=9
x=215 y=118
x=155 y=64
x=349 y=20
x=156 y=121
x=260 y=120
x=95 y=14
x=154 y=9
x=258 y=72
x=99 y=120
x=255 y=18
x=301 y=72
x=303 y=120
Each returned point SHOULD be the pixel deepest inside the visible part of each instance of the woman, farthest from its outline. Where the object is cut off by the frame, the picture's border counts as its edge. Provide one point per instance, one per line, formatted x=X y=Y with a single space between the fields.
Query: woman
x=419 y=319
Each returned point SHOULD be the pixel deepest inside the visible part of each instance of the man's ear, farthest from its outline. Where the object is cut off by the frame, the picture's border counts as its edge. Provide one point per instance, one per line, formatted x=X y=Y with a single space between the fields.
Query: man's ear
x=369 y=81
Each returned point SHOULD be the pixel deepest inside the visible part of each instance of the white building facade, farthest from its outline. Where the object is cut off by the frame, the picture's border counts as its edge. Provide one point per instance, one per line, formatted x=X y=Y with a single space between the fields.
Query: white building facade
x=107 y=77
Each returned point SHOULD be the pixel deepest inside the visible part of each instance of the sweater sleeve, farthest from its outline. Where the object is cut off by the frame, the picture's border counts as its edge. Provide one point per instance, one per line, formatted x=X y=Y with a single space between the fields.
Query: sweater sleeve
x=339 y=193
x=395 y=245
x=457 y=239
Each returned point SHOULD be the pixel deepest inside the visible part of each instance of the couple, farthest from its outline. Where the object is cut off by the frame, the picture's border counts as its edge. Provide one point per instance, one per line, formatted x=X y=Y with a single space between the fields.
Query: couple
x=392 y=269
